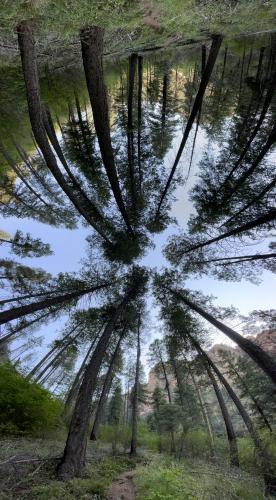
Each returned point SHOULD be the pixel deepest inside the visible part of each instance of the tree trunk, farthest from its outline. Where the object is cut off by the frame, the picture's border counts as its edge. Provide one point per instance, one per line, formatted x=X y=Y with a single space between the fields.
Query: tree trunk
x=29 y=66
x=233 y=448
x=92 y=55
x=242 y=179
x=46 y=357
x=261 y=358
x=18 y=312
x=248 y=391
x=105 y=390
x=72 y=394
x=267 y=102
x=267 y=470
x=261 y=220
x=217 y=39
x=238 y=259
x=168 y=389
x=140 y=88
x=56 y=357
x=256 y=198
x=204 y=415
x=22 y=327
x=130 y=147
x=73 y=460
x=133 y=444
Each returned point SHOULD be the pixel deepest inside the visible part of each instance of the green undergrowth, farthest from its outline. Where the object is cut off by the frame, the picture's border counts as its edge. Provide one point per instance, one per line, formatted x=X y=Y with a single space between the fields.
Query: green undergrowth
x=136 y=23
x=38 y=481
x=98 y=478
x=165 y=479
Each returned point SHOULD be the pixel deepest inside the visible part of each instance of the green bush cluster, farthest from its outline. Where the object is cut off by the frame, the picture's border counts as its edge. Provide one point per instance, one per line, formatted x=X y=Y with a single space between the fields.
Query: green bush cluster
x=25 y=407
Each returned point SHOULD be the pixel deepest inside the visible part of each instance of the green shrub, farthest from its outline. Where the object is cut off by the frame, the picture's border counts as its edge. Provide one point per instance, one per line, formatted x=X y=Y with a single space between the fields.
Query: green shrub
x=25 y=407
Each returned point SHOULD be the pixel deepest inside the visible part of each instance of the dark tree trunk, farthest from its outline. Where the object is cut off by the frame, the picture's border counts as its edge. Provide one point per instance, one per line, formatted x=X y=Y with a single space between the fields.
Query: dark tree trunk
x=28 y=296
x=140 y=88
x=240 y=258
x=18 y=312
x=260 y=221
x=267 y=102
x=92 y=55
x=72 y=394
x=217 y=39
x=268 y=472
x=133 y=444
x=261 y=358
x=105 y=390
x=73 y=460
x=29 y=65
x=132 y=63
x=22 y=327
x=256 y=198
x=242 y=179
x=233 y=448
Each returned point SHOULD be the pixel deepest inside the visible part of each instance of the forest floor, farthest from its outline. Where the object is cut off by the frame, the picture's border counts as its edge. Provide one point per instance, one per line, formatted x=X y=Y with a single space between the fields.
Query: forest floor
x=122 y=487
x=27 y=471
x=133 y=26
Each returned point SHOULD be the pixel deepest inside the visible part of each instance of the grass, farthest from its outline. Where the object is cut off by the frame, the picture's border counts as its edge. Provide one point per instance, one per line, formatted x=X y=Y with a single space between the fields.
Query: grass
x=57 y=22
x=27 y=479
x=165 y=479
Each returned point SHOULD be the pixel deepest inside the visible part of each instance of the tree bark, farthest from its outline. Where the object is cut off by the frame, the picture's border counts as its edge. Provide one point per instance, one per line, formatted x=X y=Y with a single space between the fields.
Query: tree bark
x=268 y=473
x=133 y=444
x=105 y=390
x=267 y=102
x=92 y=55
x=140 y=88
x=259 y=221
x=29 y=65
x=20 y=328
x=18 y=312
x=261 y=358
x=233 y=448
x=216 y=43
x=73 y=460
x=238 y=259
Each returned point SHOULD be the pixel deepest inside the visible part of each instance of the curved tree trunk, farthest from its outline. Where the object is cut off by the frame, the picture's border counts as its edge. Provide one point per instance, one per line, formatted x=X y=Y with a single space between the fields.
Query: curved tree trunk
x=261 y=358
x=92 y=55
x=29 y=65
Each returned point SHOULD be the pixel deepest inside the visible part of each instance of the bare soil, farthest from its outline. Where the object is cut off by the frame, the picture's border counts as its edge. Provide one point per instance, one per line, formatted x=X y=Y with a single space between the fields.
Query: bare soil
x=122 y=488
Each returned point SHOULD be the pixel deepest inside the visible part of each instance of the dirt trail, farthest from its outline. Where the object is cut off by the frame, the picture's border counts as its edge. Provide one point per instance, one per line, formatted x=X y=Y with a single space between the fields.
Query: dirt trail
x=122 y=488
